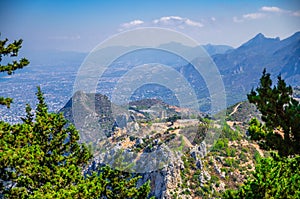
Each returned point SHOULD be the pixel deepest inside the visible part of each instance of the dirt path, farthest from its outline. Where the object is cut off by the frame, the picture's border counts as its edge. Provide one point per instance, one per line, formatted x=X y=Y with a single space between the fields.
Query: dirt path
x=235 y=109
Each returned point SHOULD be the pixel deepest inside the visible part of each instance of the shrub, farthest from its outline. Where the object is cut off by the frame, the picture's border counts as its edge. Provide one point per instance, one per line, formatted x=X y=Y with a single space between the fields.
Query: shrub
x=274 y=177
x=220 y=144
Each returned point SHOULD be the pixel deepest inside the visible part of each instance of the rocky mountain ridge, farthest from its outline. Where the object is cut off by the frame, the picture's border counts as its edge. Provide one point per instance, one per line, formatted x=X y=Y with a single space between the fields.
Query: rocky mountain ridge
x=190 y=168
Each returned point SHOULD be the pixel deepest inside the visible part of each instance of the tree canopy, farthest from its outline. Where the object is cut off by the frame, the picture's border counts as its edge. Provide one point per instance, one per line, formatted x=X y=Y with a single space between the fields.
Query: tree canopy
x=280 y=114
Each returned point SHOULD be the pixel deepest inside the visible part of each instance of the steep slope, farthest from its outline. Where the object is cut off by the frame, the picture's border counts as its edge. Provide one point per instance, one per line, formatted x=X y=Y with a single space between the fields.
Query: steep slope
x=242 y=67
x=186 y=168
x=92 y=115
x=194 y=172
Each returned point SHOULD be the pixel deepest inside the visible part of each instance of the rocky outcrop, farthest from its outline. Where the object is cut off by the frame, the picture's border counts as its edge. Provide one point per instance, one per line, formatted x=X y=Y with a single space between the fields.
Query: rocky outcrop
x=164 y=180
x=198 y=151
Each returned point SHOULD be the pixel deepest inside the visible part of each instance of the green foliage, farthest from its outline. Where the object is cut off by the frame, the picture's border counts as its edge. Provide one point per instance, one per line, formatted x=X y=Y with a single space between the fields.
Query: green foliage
x=232 y=135
x=41 y=153
x=257 y=156
x=214 y=179
x=256 y=130
x=243 y=157
x=180 y=148
x=119 y=185
x=229 y=162
x=280 y=112
x=220 y=144
x=186 y=163
x=274 y=177
x=41 y=158
x=230 y=152
x=10 y=50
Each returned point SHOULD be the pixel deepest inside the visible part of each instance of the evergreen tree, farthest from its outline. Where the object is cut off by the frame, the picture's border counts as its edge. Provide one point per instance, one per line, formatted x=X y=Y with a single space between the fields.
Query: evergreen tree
x=281 y=114
x=10 y=50
x=277 y=176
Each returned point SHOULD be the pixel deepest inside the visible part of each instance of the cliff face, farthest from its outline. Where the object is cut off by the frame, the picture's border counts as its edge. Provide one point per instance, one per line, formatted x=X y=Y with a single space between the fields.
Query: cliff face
x=163 y=181
x=156 y=157
x=166 y=182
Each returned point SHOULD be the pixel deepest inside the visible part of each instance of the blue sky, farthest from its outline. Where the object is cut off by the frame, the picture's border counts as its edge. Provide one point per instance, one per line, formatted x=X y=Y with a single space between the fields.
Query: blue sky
x=81 y=25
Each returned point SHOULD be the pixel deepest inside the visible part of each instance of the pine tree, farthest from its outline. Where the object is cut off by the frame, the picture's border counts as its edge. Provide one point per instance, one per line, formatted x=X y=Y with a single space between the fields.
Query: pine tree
x=277 y=176
x=10 y=50
x=281 y=114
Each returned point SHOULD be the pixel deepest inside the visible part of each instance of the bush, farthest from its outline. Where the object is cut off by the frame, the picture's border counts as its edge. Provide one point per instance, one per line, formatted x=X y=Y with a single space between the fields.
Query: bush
x=274 y=177
x=243 y=157
x=245 y=150
x=228 y=162
x=220 y=144
x=230 y=152
x=232 y=135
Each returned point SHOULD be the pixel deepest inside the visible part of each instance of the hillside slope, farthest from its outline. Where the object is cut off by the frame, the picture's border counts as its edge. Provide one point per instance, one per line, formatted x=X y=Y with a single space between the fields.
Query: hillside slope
x=187 y=167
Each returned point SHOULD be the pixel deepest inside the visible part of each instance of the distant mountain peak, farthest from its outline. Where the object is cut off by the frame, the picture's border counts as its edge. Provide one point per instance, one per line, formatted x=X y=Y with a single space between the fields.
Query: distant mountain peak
x=259 y=36
x=260 y=39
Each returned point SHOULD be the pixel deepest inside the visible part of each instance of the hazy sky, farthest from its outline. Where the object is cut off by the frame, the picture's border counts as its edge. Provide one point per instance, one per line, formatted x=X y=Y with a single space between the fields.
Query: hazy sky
x=81 y=25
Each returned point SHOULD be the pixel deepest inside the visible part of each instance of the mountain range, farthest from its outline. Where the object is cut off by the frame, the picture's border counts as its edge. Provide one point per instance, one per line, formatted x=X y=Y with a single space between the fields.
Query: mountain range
x=240 y=68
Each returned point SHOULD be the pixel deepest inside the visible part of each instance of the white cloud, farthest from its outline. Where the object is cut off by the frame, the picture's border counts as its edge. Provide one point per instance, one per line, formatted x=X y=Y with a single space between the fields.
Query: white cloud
x=256 y=15
x=271 y=9
x=193 y=23
x=131 y=24
x=167 y=19
x=265 y=11
x=177 y=21
x=213 y=18
x=279 y=10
